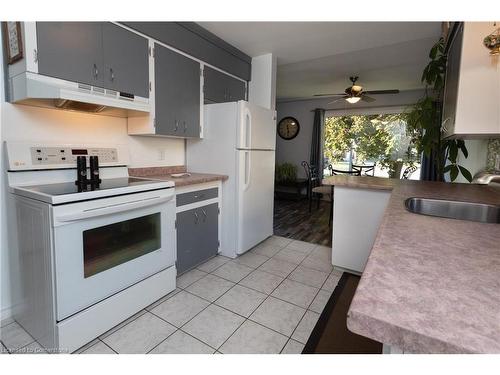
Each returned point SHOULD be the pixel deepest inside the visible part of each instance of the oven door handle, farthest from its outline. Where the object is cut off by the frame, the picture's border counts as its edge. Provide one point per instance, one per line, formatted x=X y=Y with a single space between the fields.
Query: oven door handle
x=112 y=209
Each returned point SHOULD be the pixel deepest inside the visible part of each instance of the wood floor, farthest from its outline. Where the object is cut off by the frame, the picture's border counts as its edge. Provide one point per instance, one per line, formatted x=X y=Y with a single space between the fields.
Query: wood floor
x=293 y=220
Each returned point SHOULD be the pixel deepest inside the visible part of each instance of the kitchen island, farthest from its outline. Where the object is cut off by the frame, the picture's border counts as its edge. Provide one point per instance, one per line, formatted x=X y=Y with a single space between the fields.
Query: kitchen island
x=358 y=208
x=431 y=285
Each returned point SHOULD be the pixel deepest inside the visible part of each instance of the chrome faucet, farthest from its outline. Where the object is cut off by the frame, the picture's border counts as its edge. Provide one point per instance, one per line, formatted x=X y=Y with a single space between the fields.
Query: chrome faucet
x=486 y=178
x=489 y=177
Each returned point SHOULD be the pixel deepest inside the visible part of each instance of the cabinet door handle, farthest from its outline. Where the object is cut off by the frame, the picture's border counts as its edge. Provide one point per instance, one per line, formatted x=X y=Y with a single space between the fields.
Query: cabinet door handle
x=96 y=72
x=111 y=74
x=185 y=126
x=176 y=125
x=196 y=218
x=204 y=214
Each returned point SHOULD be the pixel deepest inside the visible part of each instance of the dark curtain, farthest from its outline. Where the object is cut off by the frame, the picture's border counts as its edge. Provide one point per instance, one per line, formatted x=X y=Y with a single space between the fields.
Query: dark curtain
x=316 y=156
x=428 y=171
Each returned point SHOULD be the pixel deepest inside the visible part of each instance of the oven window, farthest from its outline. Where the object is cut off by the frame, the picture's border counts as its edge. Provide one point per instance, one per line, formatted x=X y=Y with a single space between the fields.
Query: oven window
x=115 y=244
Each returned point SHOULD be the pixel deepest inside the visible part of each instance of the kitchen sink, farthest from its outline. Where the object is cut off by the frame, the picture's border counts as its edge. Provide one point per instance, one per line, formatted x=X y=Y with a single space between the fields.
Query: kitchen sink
x=484 y=213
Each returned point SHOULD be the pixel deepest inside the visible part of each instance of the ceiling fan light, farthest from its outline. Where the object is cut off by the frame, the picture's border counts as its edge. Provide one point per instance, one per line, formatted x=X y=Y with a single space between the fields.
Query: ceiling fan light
x=353 y=99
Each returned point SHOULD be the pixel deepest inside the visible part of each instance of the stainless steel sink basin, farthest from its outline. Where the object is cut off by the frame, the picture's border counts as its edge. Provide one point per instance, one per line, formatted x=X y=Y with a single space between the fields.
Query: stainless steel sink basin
x=484 y=213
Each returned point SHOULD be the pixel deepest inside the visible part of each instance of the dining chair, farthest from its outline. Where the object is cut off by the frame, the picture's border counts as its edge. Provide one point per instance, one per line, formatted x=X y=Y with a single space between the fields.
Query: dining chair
x=408 y=172
x=327 y=190
x=313 y=181
x=365 y=169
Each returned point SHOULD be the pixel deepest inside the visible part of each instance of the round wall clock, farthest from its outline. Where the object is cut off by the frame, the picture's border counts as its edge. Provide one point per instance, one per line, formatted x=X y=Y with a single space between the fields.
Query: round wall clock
x=288 y=128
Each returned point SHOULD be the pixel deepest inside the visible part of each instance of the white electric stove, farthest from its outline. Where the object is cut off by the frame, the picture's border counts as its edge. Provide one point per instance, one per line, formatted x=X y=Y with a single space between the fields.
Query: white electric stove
x=88 y=258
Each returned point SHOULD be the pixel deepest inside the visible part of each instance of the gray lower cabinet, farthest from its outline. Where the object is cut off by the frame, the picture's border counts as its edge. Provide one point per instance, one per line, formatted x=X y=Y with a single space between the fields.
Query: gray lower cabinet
x=71 y=51
x=125 y=60
x=177 y=94
x=197 y=236
x=221 y=88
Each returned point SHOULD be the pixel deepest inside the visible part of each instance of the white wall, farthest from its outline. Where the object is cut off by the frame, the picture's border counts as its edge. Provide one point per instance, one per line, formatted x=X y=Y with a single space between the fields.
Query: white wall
x=20 y=122
x=262 y=87
x=296 y=150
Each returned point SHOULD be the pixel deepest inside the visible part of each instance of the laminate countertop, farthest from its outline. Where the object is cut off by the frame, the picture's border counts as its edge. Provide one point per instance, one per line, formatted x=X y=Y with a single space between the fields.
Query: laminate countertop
x=432 y=285
x=361 y=182
x=165 y=174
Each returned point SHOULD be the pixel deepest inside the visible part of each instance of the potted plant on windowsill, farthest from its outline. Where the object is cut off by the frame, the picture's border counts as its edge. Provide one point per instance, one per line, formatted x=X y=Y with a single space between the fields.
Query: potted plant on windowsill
x=424 y=121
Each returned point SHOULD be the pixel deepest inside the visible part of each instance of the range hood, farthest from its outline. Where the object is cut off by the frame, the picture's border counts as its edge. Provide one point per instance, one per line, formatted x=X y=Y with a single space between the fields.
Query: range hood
x=48 y=92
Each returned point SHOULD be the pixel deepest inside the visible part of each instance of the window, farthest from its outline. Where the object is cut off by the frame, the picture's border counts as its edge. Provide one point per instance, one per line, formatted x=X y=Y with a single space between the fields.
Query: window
x=368 y=139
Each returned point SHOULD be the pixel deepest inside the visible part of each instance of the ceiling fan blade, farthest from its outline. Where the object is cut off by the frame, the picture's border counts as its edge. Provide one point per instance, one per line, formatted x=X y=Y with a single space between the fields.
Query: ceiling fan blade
x=338 y=100
x=367 y=99
x=328 y=94
x=378 y=92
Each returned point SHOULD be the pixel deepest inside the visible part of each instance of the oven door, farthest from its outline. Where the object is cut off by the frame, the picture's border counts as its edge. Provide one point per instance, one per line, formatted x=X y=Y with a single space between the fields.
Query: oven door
x=105 y=245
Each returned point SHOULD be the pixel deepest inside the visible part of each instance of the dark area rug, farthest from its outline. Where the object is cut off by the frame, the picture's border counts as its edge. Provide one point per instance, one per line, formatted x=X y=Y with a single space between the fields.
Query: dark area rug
x=330 y=335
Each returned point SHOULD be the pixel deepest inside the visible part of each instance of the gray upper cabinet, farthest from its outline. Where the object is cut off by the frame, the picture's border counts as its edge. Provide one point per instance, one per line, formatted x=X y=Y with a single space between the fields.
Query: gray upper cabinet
x=177 y=94
x=237 y=90
x=220 y=87
x=194 y=40
x=71 y=51
x=95 y=53
x=125 y=61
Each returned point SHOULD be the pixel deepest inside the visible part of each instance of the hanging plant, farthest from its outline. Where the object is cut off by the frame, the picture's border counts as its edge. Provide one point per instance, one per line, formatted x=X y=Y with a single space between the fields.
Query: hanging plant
x=424 y=120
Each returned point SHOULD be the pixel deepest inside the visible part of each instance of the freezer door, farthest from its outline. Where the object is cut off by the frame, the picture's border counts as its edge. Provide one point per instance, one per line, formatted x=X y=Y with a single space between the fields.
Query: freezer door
x=255 y=195
x=257 y=127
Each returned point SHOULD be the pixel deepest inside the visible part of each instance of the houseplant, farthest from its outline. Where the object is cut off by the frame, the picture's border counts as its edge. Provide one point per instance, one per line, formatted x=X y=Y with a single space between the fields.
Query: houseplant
x=424 y=120
x=285 y=173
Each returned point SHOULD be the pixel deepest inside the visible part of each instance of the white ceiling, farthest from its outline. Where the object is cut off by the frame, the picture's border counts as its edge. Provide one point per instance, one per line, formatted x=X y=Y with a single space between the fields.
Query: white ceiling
x=318 y=57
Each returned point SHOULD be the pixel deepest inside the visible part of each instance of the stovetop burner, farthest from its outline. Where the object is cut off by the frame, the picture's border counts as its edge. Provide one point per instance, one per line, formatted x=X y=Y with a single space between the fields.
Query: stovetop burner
x=67 y=192
x=71 y=188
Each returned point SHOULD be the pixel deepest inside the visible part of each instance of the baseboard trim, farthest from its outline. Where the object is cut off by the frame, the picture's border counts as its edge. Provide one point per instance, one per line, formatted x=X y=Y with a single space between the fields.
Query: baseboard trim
x=6 y=315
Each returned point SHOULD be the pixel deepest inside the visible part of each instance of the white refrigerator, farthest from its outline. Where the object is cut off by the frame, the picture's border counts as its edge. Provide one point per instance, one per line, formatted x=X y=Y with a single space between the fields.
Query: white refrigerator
x=239 y=140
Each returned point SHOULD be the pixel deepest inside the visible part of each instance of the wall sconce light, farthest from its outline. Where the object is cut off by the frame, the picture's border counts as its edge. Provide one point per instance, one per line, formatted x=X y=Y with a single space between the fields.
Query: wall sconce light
x=492 y=41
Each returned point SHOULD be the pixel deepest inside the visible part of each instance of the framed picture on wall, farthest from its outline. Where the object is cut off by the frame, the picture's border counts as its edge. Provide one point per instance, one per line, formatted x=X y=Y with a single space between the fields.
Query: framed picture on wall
x=12 y=39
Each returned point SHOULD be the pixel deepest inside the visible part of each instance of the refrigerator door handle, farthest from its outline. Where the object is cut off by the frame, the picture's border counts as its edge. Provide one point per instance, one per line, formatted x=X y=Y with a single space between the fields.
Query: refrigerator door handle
x=246 y=176
x=247 y=133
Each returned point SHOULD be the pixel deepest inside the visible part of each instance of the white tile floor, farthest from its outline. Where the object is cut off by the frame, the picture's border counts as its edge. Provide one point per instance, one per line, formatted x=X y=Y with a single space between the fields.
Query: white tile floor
x=266 y=301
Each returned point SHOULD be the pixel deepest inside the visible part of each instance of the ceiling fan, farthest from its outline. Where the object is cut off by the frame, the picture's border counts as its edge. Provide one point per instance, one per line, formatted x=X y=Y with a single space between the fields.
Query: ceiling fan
x=355 y=93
